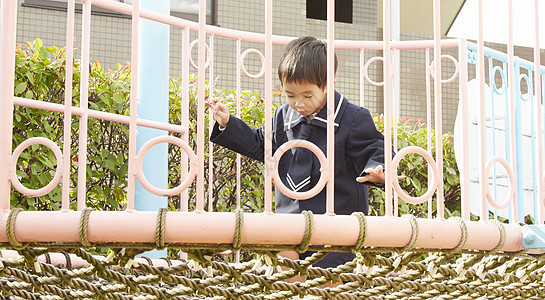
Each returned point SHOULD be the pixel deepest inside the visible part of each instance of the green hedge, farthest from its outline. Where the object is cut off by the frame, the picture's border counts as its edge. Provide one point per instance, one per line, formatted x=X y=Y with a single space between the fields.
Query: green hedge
x=40 y=75
x=414 y=168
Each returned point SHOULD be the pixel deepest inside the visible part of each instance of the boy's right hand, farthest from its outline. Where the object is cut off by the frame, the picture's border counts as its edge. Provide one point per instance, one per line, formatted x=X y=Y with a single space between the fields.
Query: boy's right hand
x=220 y=111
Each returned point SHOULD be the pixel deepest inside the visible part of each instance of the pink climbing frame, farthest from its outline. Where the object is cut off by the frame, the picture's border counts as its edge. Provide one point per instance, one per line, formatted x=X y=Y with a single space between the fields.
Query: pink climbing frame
x=200 y=226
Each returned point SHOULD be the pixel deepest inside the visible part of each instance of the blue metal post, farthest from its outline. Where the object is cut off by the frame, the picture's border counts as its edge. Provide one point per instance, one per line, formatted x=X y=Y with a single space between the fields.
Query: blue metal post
x=153 y=80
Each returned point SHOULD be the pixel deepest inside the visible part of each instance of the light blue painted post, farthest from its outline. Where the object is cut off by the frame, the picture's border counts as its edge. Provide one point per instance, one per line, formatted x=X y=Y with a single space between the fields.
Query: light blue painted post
x=153 y=80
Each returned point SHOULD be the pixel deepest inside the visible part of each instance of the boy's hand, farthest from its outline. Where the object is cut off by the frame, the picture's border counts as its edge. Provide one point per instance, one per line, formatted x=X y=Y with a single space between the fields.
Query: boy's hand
x=375 y=175
x=220 y=111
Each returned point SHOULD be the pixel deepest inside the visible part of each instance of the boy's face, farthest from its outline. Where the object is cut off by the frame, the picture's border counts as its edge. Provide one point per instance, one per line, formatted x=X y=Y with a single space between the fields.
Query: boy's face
x=305 y=98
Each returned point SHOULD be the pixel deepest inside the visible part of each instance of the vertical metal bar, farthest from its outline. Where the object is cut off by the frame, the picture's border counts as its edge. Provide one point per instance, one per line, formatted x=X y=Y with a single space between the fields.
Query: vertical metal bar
x=395 y=104
x=239 y=95
x=184 y=107
x=482 y=120
x=67 y=132
x=211 y=126
x=438 y=107
x=268 y=104
x=518 y=139
x=200 y=106
x=493 y=127
x=84 y=95
x=133 y=105
x=541 y=131
x=428 y=125
x=153 y=104
x=8 y=22
x=508 y=135
x=330 y=191
x=464 y=170
x=238 y=167
x=395 y=35
x=539 y=109
x=533 y=148
x=362 y=77
x=387 y=109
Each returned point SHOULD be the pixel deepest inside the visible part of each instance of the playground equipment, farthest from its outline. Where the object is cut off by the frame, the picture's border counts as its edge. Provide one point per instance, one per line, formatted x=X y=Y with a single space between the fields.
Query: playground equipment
x=398 y=256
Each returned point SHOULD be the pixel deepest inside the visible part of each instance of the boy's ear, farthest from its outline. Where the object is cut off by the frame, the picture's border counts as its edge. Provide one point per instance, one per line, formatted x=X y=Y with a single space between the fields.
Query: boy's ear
x=334 y=82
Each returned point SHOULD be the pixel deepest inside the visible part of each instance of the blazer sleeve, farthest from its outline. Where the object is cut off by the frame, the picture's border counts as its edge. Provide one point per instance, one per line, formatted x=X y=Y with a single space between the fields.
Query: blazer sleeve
x=239 y=137
x=365 y=143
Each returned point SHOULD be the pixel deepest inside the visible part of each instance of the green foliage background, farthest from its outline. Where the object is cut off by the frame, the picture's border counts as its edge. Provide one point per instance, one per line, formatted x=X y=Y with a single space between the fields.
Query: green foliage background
x=40 y=75
x=414 y=169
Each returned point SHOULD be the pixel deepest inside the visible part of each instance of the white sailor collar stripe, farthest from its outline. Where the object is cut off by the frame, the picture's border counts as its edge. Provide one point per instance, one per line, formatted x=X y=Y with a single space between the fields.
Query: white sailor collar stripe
x=292 y=119
x=296 y=187
x=337 y=109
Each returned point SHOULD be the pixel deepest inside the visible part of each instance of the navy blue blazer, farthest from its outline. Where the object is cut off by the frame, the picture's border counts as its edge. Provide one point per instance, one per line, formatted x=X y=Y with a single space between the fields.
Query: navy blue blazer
x=358 y=146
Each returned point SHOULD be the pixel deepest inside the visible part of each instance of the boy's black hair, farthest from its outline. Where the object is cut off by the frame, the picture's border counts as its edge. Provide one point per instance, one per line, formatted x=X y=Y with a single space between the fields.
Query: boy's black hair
x=304 y=60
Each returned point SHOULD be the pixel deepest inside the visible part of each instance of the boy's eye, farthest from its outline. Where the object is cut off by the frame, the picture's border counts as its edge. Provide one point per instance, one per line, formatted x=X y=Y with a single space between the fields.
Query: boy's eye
x=308 y=97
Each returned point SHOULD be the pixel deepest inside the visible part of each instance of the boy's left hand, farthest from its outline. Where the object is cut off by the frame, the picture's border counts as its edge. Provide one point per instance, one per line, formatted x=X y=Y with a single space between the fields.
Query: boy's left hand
x=375 y=175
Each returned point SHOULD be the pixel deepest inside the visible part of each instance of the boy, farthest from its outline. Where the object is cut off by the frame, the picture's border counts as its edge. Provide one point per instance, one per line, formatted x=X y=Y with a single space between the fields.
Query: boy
x=359 y=147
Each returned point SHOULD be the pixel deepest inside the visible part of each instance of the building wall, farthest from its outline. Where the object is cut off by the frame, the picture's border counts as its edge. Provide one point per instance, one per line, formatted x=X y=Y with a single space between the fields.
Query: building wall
x=110 y=44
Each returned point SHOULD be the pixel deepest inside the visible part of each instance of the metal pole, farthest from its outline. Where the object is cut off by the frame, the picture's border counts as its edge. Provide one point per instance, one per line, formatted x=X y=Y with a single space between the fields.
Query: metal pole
x=330 y=191
x=153 y=80
x=8 y=17
x=153 y=104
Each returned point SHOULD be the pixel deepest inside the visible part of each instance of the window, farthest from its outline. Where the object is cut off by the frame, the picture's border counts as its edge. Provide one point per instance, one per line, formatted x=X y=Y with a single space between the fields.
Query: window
x=317 y=9
x=187 y=9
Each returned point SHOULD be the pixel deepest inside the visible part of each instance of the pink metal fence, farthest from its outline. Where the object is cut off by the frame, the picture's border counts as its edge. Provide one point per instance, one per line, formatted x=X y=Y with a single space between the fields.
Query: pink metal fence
x=340 y=230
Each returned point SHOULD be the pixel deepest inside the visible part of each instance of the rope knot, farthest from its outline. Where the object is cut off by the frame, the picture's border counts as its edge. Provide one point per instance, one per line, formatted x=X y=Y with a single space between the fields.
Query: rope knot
x=309 y=226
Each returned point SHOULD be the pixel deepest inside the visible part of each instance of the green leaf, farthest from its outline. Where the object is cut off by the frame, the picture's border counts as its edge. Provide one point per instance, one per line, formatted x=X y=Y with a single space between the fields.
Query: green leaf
x=38 y=44
x=19 y=62
x=101 y=89
x=106 y=99
x=47 y=127
x=19 y=88
x=43 y=53
x=109 y=164
x=30 y=77
x=21 y=174
x=118 y=98
x=29 y=94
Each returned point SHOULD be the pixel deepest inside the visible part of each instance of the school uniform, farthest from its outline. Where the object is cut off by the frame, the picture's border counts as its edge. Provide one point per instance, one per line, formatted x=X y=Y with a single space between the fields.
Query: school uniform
x=358 y=146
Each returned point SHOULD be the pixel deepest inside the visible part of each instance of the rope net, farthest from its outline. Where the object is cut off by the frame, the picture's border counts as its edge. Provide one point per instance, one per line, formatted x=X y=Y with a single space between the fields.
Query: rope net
x=210 y=273
x=373 y=274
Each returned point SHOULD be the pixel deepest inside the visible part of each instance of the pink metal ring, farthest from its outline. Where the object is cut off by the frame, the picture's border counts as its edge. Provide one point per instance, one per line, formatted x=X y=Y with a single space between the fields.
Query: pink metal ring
x=243 y=55
x=366 y=74
x=510 y=194
x=207 y=63
x=323 y=169
x=142 y=177
x=451 y=79
x=13 y=165
x=433 y=181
